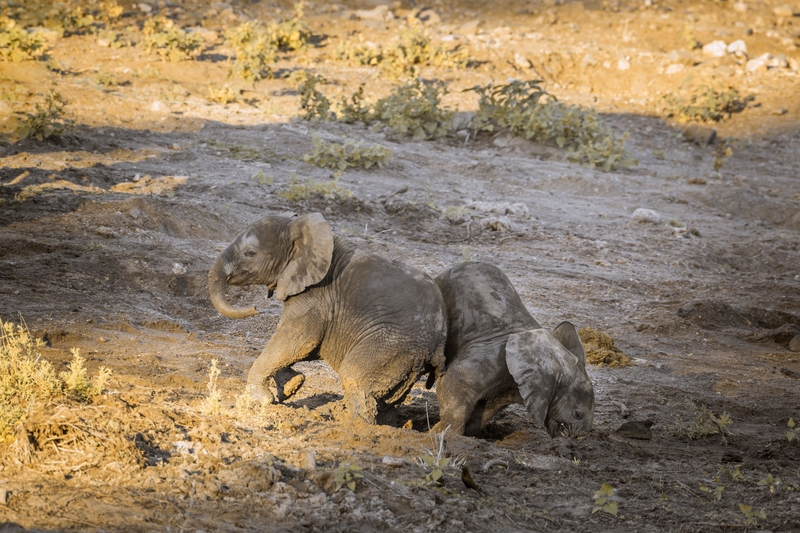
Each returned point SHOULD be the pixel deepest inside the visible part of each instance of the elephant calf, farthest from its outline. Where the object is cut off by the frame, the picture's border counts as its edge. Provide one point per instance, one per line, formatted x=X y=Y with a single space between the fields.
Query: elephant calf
x=497 y=354
x=380 y=324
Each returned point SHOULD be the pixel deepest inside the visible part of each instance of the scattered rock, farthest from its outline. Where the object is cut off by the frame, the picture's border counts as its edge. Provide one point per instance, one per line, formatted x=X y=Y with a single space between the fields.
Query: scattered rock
x=681 y=56
x=158 y=106
x=521 y=61
x=430 y=17
x=145 y=8
x=600 y=349
x=778 y=61
x=725 y=70
x=794 y=344
x=378 y=13
x=517 y=209
x=674 y=68
x=740 y=7
x=648 y=215
x=623 y=64
x=758 y=63
x=496 y=224
x=715 y=49
x=636 y=429
x=785 y=11
x=394 y=462
x=738 y=48
x=701 y=135
x=178 y=269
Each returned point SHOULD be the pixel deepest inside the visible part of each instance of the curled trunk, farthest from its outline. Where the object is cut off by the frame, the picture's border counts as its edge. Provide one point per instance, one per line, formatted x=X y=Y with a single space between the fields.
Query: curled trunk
x=217 y=281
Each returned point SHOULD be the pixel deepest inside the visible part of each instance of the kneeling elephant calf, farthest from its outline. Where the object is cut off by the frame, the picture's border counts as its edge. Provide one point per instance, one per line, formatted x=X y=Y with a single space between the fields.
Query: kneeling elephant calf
x=497 y=354
x=379 y=324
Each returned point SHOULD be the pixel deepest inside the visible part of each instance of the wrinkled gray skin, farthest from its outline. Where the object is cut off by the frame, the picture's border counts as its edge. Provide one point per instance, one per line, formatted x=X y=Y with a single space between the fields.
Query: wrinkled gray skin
x=497 y=354
x=379 y=324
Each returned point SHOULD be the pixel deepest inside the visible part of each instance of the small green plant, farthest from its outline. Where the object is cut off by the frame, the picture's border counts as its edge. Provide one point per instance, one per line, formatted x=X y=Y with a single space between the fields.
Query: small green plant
x=717 y=491
x=526 y=109
x=174 y=44
x=105 y=79
x=734 y=473
x=77 y=384
x=790 y=435
x=752 y=516
x=302 y=190
x=704 y=424
x=262 y=179
x=359 y=53
x=414 y=109
x=314 y=104
x=237 y=151
x=707 y=105
x=347 y=475
x=16 y=44
x=254 y=51
x=603 y=501
x=48 y=120
x=27 y=381
x=456 y=214
x=341 y=156
x=770 y=482
x=223 y=95
x=435 y=460
x=212 y=404
x=290 y=34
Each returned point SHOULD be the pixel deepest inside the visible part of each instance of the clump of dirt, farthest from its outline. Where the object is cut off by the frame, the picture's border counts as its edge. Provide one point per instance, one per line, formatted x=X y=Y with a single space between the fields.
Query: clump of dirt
x=600 y=349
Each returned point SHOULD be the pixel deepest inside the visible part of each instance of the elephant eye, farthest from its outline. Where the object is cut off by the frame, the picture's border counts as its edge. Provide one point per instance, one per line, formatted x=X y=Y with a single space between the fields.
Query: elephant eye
x=577 y=414
x=250 y=253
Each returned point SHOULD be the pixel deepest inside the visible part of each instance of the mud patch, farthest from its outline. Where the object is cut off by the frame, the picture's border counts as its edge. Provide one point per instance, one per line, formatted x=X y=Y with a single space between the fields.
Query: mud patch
x=600 y=349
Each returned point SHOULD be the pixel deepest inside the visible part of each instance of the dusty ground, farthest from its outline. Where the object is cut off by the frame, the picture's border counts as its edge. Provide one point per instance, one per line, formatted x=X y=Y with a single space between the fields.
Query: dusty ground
x=705 y=315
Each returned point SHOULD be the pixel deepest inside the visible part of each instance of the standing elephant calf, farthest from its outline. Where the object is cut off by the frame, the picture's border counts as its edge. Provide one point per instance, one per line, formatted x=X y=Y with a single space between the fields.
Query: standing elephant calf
x=379 y=324
x=497 y=354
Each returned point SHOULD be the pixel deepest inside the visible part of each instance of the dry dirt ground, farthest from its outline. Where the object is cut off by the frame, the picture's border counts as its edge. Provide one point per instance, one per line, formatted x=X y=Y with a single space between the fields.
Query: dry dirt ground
x=705 y=307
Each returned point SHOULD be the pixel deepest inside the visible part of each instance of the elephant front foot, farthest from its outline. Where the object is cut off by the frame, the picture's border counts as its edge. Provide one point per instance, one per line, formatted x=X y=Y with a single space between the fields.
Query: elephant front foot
x=288 y=382
x=260 y=393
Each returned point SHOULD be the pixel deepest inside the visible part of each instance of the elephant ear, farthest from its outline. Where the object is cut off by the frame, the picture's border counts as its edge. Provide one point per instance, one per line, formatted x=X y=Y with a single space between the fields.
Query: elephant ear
x=567 y=335
x=310 y=255
x=532 y=358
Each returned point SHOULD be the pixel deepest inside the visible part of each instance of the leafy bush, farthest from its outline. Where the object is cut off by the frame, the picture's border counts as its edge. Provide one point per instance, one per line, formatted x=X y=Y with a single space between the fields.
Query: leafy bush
x=17 y=44
x=527 y=110
x=314 y=104
x=706 y=105
x=223 y=95
x=290 y=34
x=302 y=190
x=254 y=49
x=48 y=120
x=174 y=44
x=340 y=156
x=27 y=381
x=414 y=109
x=413 y=47
x=347 y=475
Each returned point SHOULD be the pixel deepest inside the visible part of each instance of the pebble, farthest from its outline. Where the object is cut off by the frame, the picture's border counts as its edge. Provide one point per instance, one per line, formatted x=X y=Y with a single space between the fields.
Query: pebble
x=145 y=8
x=377 y=13
x=701 y=135
x=4 y=496
x=521 y=61
x=785 y=11
x=394 y=462
x=648 y=215
x=178 y=269
x=681 y=56
x=738 y=48
x=715 y=49
x=158 y=105
x=470 y=27
x=794 y=344
x=740 y=7
x=674 y=68
x=623 y=64
x=430 y=17
x=725 y=70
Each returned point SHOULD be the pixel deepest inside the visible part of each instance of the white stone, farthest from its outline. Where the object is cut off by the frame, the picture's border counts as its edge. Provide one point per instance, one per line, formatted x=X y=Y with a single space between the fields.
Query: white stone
x=394 y=462
x=145 y=8
x=674 y=68
x=178 y=269
x=784 y=11
x=778 y=61
x=158 y=105
x=521 y=61
x=623 y=64
x=758 y=63
x=377 y=13
x=738 y=47
x=715 y=49
x=648 y=215
x=740 y=7
x=497 y=224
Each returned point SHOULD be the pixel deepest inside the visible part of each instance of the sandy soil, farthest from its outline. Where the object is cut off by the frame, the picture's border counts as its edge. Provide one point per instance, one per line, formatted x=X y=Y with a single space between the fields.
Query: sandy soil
x=111 y=257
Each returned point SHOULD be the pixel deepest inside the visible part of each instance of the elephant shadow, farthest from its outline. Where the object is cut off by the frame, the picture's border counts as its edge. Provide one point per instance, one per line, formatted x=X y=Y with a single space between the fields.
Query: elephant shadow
x=316 y=401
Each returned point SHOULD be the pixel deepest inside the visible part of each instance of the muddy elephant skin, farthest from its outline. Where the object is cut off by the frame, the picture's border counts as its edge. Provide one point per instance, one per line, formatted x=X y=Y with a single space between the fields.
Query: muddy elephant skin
x=379 y=324
x=497 y=354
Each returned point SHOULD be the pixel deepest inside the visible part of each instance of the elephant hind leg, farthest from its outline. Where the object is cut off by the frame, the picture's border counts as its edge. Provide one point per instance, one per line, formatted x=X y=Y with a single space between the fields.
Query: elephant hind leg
x=287 y=382
x=484 y=411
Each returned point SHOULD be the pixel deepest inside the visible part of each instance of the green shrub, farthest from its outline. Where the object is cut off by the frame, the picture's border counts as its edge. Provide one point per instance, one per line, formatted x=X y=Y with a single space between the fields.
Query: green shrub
x=526 y=109
x=341 y=156
x=254 y=51
x=174 y=44
x=302 y=190
x=290 y=34
x=707 y=105
x=223 y=95
x=17 y=44
x=414 y=109
x=27 y=381
x=48 y=120
x=314 y=104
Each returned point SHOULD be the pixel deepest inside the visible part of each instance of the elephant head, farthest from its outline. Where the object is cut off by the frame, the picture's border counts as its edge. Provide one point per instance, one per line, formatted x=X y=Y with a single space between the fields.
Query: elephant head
x=285 y=254
x=550 y=372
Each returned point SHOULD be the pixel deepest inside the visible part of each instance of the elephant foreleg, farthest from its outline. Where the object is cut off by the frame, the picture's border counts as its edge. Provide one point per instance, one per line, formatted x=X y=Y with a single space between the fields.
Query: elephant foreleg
x=290 y=344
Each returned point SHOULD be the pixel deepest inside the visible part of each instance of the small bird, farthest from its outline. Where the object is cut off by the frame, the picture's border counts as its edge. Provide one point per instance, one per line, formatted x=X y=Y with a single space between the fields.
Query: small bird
x=468 y=481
